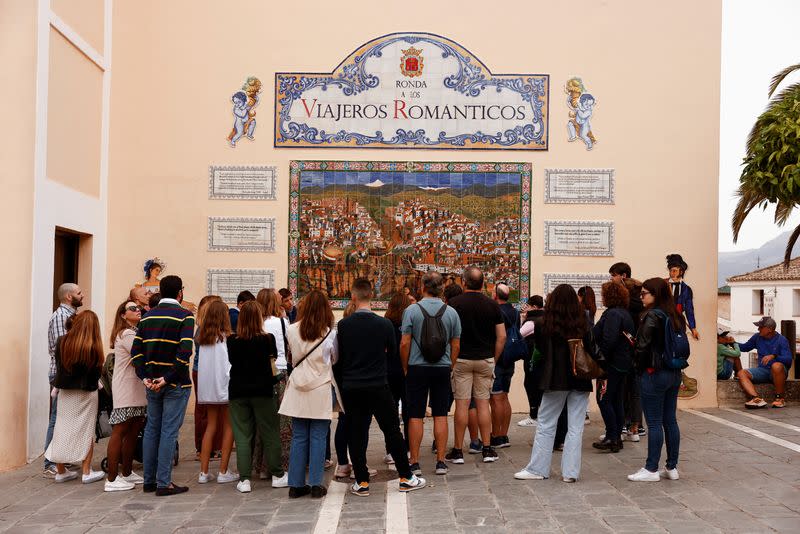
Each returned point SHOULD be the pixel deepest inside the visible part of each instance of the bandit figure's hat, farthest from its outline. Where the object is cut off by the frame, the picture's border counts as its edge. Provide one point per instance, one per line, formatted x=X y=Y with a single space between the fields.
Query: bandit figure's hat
x=675 y=260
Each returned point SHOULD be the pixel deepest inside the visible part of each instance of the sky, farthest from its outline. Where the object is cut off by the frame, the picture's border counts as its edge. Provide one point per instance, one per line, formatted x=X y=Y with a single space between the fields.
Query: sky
x=421 y=179
x=759 y=39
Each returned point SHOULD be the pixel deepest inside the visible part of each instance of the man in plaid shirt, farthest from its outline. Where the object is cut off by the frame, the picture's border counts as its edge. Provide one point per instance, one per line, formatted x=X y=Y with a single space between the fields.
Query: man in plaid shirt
x=71 y=298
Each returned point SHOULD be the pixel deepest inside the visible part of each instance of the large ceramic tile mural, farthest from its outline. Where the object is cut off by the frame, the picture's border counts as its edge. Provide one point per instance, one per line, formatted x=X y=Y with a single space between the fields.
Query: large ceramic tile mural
x=393 y=221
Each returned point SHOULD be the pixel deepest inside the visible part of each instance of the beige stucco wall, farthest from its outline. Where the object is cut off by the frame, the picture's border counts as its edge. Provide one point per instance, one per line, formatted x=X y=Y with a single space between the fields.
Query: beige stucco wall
x=17 y=107
x=653 y=68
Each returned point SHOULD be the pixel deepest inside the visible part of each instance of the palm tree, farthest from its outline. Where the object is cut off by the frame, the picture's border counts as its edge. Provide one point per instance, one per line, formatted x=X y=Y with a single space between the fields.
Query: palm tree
x=771 y=173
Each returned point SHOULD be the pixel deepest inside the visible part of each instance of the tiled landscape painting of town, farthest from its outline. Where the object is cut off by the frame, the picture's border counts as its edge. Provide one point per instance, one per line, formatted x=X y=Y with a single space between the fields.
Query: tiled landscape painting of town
x=393 y=221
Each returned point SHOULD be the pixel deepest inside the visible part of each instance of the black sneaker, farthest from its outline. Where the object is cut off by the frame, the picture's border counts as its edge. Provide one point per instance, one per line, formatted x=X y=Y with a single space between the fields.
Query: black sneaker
x=441 y=468
x=475 y=447
x=503 y=442
x=149 y=488
x=173 y=489
x=294 y=493
x=318 y=492
x=455 y=456
x=642 y=431
x=415 y=469
x=489 y=455
x=496 y=441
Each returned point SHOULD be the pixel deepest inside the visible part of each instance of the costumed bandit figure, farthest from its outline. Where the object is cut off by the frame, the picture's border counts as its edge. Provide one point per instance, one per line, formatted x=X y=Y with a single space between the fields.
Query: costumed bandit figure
x=684 y=302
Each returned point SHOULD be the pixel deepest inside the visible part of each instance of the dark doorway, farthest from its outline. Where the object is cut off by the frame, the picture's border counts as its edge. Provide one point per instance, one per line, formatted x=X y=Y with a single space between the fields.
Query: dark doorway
x=65 y=265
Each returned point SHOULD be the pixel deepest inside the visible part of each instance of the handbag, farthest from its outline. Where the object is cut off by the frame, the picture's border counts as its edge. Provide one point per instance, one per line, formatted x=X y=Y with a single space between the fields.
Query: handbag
x=583 y=365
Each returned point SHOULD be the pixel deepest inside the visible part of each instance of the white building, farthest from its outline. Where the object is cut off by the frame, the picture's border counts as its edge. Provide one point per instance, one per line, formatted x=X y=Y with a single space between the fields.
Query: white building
x=770 y=291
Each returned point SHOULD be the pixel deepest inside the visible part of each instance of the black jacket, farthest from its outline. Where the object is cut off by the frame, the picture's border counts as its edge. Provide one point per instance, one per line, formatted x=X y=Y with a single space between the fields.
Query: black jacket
x=366 y=341
x=649 y=342
x=79 y=377
x=615 y=347
x=556 y=362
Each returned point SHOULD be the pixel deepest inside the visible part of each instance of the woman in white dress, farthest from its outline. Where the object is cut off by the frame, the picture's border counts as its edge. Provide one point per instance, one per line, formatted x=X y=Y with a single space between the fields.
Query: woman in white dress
x=213 y=375
x=79 y=360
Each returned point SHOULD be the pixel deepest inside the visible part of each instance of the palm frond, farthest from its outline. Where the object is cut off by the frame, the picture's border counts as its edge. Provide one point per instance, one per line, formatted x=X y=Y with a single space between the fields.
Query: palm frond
x=787 y=256
x=765 y=118
x=782 y=212
x=748 y=199
x=778 y=78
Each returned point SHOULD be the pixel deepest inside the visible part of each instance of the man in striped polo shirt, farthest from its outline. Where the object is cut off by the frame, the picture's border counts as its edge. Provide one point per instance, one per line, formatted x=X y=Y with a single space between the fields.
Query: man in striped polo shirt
x=160 y=353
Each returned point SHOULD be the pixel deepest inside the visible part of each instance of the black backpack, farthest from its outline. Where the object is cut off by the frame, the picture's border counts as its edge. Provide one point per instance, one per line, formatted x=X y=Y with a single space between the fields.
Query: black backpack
x=433 y=341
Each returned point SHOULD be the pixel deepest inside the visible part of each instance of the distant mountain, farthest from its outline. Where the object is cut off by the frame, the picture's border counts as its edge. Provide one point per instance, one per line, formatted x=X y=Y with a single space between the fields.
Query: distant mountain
x=744 y=261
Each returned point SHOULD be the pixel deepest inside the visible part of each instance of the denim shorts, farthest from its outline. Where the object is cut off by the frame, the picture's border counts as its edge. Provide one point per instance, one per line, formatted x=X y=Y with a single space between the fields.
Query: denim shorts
x=762 y=375
x=502 y=379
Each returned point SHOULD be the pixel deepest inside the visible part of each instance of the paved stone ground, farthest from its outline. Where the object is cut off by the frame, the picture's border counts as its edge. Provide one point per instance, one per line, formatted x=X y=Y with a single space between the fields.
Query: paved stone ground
x=730 y=482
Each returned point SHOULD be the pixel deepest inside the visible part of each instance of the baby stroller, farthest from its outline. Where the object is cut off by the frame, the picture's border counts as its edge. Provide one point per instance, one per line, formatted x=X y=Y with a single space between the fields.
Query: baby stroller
x=105 y=405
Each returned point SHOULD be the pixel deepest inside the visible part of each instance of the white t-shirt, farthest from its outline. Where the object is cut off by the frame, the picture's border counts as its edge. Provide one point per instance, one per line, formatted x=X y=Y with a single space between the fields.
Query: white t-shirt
x=213 y=374
x=272 y=325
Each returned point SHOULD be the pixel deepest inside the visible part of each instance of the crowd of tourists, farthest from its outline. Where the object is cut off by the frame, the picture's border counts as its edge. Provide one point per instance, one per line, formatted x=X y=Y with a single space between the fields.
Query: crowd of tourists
x=268 y=376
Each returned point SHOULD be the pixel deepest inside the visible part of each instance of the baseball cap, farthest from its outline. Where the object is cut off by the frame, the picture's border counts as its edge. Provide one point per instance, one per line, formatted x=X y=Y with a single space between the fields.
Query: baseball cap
x=766 y=321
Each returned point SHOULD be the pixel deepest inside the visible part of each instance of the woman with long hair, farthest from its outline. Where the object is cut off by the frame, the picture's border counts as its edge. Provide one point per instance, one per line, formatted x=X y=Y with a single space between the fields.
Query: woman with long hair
x=563 y=320
x=308 y=399
x=397 y=379
x=213 y=375
x=200 y=410
x=614 y=333
x=79 y=360
x=659 y=385
x=275 y=323
x=252 y=353
x=129 y=401
x=588 y=303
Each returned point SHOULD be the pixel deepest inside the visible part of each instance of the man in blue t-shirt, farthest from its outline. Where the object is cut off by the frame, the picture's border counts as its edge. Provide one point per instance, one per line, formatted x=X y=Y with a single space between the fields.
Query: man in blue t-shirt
x=425 y=377
x=774 y=361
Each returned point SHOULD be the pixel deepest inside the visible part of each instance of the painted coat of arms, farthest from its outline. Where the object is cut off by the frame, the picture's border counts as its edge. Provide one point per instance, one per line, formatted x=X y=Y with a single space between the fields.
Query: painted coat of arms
x=441 y=96
x=412 y=62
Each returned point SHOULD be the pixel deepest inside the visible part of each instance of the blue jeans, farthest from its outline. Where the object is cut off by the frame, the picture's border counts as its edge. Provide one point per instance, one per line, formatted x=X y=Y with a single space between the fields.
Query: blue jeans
x=549 y=411
x=660 y=402
x=309 y=437
x=165 y=411
x=50 y=426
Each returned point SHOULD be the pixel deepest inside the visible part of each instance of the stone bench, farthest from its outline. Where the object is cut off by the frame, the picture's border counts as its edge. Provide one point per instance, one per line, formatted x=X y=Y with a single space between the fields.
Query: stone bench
x=729 y=394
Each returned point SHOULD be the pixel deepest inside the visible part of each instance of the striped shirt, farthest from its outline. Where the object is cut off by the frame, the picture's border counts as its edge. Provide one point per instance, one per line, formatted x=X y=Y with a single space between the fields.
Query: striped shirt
x=55 y=330
x=163 y=344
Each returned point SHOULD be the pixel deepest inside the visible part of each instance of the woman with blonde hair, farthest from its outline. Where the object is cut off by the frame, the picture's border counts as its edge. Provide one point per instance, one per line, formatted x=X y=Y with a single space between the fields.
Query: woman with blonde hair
x=213 y=375
x=79 y=360
x=200 y=411
x=129 y=401
x=308 y=399
x=251 y=353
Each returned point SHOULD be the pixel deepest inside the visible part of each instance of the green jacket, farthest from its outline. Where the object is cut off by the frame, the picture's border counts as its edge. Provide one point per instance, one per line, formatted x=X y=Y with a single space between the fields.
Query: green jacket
x=726 y=351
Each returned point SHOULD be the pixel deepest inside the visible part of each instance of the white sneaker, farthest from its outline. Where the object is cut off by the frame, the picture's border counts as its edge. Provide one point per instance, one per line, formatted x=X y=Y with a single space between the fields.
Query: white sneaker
x=643 y=475
x=388 y=460
x=66 y=475
x=93 y=476
x=527 y=475
x=119 y=484
x=671 y=474
x=343 y=471
x=528 y=421
x=372 y=472
x=227 y=476
x=411 y=484
x=204 y=478
x=631 y=437
x=243 y=486
x=282 y=482
x=133 y=478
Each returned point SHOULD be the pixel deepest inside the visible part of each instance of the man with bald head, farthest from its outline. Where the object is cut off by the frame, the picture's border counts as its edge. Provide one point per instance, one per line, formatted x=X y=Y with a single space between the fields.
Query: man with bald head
x=483 y=336
x=140 y=296
x=70 y=297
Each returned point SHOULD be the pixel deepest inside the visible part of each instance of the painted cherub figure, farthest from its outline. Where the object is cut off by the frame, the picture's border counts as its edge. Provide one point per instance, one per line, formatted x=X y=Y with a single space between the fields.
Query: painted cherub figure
x=581 y=105
x=240 y=115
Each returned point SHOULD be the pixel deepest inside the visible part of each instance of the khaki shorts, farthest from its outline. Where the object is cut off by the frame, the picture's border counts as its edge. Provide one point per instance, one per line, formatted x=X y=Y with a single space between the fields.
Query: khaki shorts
x=473 y=378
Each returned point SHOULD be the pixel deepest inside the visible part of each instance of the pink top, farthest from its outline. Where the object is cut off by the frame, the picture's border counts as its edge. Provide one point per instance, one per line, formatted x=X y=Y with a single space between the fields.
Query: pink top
x=126 y=388
x=526 y=329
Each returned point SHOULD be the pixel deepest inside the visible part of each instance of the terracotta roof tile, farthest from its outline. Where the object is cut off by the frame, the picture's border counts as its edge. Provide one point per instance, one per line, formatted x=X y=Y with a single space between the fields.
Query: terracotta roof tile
x=771 y=273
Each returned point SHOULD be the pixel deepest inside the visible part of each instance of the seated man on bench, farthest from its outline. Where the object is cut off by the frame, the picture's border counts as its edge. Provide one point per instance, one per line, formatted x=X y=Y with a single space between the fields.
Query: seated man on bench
x=774 y=361
x=728 y=356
